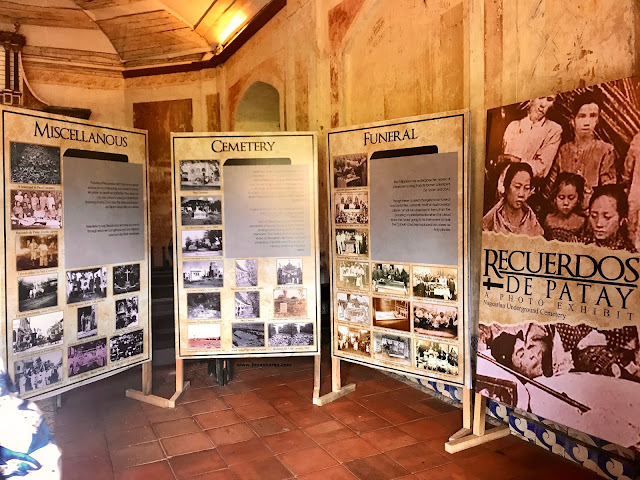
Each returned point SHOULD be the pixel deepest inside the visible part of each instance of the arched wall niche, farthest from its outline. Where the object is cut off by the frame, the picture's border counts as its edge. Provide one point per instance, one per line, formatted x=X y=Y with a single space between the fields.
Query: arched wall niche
x=259 y=109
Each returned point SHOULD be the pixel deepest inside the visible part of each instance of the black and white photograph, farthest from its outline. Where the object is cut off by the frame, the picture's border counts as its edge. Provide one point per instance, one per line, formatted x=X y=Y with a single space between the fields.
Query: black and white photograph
x=435 y=282
x=290 y=334
x=87 y=321
x=126 y=312
x=126 y=278
x=37 y=291
x=352 y=275
x=201 y=210
x=126 y=345
x=290 y=302
x=203 y=336
x=88 y=356
x=246 y=273
x=203 y=305
x=391 y=313
x=31 y=209
x=85 y=285
x=392 y=348
x=201 y=274
x=37 y=331
x=38 y=372
x=437 y=357
x=248 y=335
x=247 y=304
x=201 y=243
x=35 y=164
x=435 y=320
x=36 y=251
x=289 y=271
x=353 y=308
x=352 y=207
x=390 y=278
x=200 y=175
x=350 y=170
x=354 y=340
x=352 y=242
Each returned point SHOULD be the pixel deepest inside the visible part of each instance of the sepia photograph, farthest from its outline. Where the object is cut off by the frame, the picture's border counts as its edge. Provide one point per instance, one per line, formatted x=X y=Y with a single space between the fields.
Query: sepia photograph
x=350 y=170
x=391 y=313
x=201 y=243
x=201 y=210
x=354 y=340
x=352 y=275
x=290 y=302
x=203 y=305
x=200 y=274
x=289 y=271
x=352 y=207
x=248 y=335
x=437 y=357
x=126 y=278
x=35 y=164
x=203 y=336
x=290 y=334
x=352 y=242
x=37 y=291
x=126 y=345
x=85 y=285
x=38 y=331
x=246 y=273
x=247 y=304
x=435 y=282
x=353 y=308
x=390 y=278
x=36 y=251
x=126 y=312
x=200 y=175
x=87 y=321
x=391 y=348
x=87 y=356
x=32 y=209
x=435 y=319
x=38 y=372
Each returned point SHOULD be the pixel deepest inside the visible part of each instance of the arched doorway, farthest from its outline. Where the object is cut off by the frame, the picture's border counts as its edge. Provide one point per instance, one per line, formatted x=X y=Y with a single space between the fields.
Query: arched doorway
x=259 y=109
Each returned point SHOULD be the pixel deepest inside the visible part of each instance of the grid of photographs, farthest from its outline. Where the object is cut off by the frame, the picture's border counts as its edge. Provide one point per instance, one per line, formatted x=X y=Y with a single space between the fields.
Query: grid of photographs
x=396 y=315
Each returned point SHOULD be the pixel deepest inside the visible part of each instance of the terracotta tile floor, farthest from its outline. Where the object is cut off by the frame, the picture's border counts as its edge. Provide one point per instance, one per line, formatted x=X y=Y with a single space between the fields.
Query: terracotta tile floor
x=263 y=426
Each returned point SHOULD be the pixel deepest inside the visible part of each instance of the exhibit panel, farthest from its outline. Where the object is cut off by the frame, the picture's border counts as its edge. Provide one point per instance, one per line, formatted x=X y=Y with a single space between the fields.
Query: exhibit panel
x=399 y=216
x=246 y=263
x=559 y=305
x=76 y=259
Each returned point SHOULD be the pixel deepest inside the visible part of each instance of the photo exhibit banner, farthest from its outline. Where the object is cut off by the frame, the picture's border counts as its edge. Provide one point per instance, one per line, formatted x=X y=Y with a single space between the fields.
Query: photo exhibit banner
x=398 y=209
x=247 y=260
x=559 y=300
x=76 y=307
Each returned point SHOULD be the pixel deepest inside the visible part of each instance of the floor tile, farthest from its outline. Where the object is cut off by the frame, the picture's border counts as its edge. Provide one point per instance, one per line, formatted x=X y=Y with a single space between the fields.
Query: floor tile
x=350 y=449
x=309 y=416
x=136 y=455
x=399 y=413
x=332 y=473
x=388 y=438
x=263 y=469
x=345 y=408
x=176 y=427
x=192 y=442
x=271 y=425
x=192 y=464
x=424 y=429
x=133 y=436
x=239 y=399
x=307 y=460
x=197 y=394
x=217 y=419
x=158 y=414
x=288 y=441
x=235 y=433
x=242 y=452
x=156 y=471
x=417 y=457
x=206 y=406
x=438 y=443
x=450 y=471
x=492 y=466
x=224 y=474
x=253 y=411
x=378 y=467
x=365 y=422
x=329 y=431
x=76 y=468
x=86 y=445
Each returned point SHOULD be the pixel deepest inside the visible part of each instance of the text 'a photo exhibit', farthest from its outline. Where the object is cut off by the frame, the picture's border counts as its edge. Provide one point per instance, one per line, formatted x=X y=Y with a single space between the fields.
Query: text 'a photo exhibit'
x=247 y=257
x=75 y=266
x=399 y=245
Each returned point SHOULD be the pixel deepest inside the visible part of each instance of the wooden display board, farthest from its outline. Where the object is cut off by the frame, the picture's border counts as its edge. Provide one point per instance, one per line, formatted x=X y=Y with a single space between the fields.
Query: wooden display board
x=246 y=256
x=75 y=267
x=398 y=195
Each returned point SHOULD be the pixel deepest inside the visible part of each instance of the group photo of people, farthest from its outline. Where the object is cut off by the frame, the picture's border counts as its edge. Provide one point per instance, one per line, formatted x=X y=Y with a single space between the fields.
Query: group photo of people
x=38 y=372
x=352 y=207
x=36 y=209
x=434 y=319
x=36 y=251
x=352 y=242
x=350 y=170
x=354 y=340
x=563 y=167
x=84 y=285
x=435 y=282
x=126 y=345
x=353 y=275
x=437 y=357
x=87 y=356
x=390 y=278
x=126 y=312
x=87 y=321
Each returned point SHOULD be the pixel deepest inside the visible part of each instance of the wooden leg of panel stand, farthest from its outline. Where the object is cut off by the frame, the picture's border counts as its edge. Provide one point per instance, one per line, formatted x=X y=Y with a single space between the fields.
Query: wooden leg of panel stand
x=463 y=440
x=337 y=390
x=145 y=395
